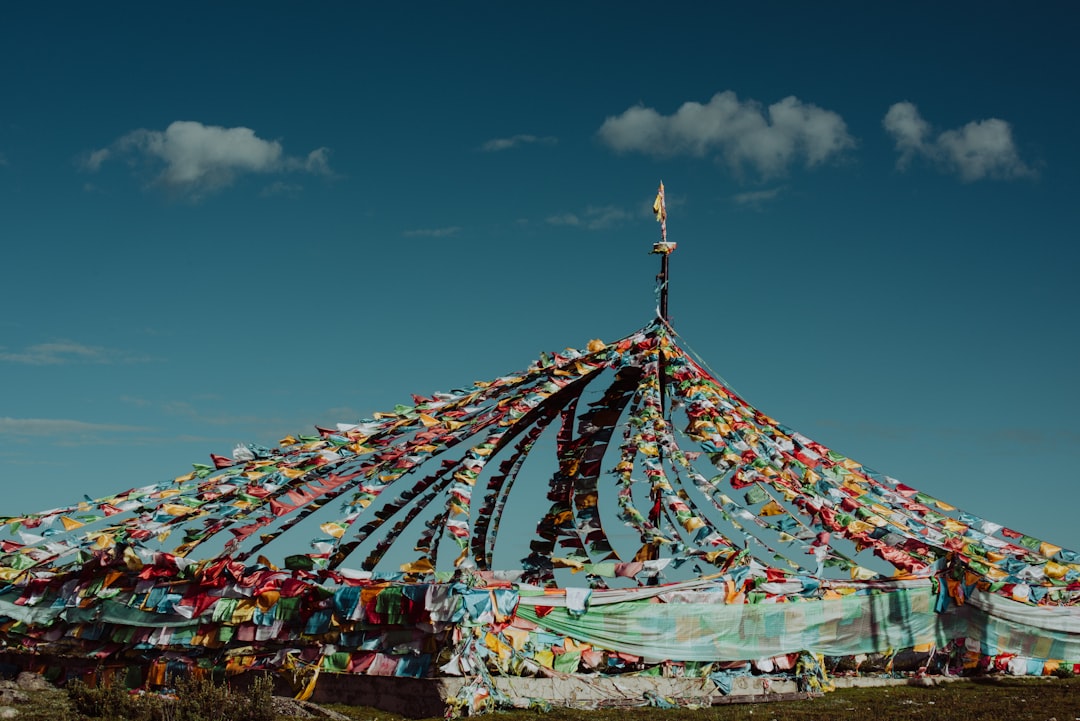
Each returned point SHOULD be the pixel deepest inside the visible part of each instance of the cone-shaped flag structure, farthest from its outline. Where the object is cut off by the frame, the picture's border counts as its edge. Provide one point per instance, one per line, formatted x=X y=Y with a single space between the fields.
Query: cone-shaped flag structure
x=676 y=526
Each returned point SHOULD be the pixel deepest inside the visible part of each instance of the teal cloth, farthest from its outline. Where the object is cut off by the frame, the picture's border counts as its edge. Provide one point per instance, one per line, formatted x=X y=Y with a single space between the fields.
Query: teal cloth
x=722 y=632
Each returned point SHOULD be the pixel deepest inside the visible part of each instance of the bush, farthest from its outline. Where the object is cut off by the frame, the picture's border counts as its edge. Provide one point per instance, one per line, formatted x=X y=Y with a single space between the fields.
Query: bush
x=101 y=701
x=195 y=700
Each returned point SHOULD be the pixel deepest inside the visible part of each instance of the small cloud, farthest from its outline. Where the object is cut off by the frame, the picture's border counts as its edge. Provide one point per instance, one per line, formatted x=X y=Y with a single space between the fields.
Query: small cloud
x=60 y=427
x=977 y=151
x=494 y=146
x=739 y=133
x=342 y=412
x=196 y=159
x=91 y=161
x=317 y=162
x=64 y=352
x=431 y=232
x=909 y=131
x=593 y=217
x=280 y=187
x=757 y=198
x=201 y=416
x=3 y=160
x=564 y=219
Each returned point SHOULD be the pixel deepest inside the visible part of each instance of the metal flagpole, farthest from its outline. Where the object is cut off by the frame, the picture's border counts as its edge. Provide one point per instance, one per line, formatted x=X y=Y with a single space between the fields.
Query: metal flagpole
x=662 y=248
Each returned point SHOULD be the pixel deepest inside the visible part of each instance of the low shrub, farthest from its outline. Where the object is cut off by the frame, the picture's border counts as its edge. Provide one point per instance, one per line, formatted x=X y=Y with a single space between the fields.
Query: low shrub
x=193 y=700
x=101 y=701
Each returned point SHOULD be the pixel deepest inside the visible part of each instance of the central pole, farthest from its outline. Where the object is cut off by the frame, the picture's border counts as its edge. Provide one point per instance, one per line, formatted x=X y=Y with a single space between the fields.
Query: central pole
x=663 y=288
x=663 y=249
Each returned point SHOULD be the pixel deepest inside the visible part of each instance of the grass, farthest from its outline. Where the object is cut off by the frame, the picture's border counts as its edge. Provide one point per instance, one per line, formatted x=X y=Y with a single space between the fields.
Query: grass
x=997 y=699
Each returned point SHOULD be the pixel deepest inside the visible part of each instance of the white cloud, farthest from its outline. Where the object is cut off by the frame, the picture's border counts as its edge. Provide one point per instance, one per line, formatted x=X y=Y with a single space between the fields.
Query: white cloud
x=983 y=149
x=908 y=129
x=979 y=150
x=564 y=219
x=317 y=162
x=92 y=161
x=3 y=160
x=498 y=144
x=431 y=232
x=757 y=198
x=200 y=415
x=59 y=427
x=62 y=352
x=593 y=217
x=200 y=159
x=280 y=187
x=741 y=133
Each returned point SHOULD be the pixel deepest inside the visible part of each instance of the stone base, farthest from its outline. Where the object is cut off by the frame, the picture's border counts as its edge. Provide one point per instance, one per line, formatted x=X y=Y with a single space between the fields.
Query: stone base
x=427 y=698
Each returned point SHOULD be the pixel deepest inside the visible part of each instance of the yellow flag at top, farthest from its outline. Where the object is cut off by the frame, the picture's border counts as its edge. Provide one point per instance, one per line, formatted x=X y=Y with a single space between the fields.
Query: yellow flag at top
x=659 y=208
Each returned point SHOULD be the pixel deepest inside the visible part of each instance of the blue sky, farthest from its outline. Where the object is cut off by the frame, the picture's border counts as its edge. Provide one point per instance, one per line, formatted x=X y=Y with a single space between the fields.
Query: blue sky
x=227 y=223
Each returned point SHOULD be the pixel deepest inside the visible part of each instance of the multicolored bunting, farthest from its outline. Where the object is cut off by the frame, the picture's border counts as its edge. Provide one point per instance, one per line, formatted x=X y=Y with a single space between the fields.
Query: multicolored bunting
x=713 y=448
